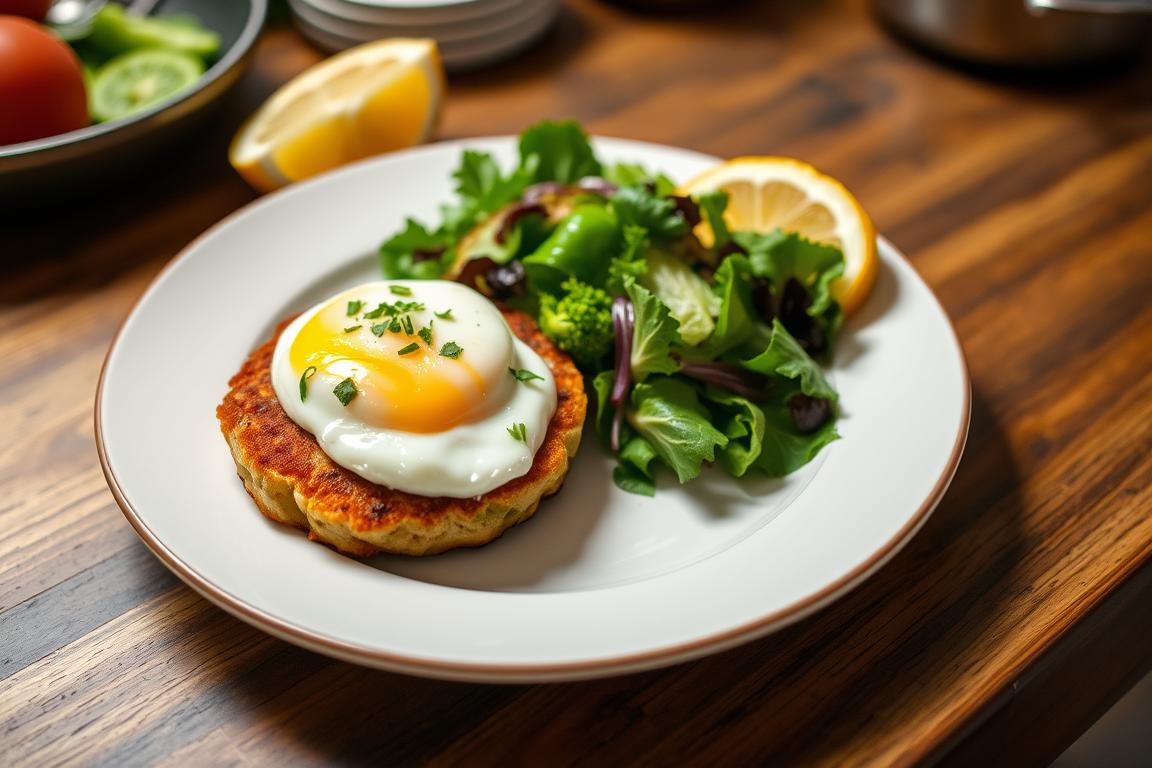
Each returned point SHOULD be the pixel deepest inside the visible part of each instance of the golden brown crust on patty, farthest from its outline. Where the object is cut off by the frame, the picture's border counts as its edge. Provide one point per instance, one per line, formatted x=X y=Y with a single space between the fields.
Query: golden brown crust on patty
x=294 y=482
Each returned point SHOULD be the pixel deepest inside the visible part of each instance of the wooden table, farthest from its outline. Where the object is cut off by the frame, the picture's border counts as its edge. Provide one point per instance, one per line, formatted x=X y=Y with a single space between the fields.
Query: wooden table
x=1017 y=615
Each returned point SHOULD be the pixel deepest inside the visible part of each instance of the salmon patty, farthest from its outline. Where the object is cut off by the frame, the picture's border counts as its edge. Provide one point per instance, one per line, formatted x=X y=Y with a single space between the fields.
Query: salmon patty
x=294 y=482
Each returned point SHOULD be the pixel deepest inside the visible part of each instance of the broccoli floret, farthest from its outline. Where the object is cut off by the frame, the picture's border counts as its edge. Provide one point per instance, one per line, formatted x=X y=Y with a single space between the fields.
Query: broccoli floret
x=580 y=322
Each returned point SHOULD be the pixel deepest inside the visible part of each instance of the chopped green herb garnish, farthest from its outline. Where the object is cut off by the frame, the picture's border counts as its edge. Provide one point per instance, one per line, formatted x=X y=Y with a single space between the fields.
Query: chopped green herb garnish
x=346 y=391
x=375 y=313
x=426 y=334
x=451 y=349
x=400 y=290
x=351 y=328
x=409 y=349
x=407 y=321
x=309 y=372
x=445 y=315
x=354 y=307
x=519 y=432
x=523 y=374
x=379 y=328
x=394 y=326
x=408 y=306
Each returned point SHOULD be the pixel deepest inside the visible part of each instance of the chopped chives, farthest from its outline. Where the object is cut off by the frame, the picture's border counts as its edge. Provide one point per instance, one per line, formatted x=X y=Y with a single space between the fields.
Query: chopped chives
x=309 y=372
x=345 y=391
x=523 y=374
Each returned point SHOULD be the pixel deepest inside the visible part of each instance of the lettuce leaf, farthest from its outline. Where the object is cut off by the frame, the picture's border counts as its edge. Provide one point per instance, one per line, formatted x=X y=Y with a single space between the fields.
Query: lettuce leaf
x=634 y=174
x=712 y=206
x=481 y=185
x=785 y=357
x=629 y=264
x=743 y=424
x=779 y=256
x=481 y=190
x=396 y=253
x=737 y=320
x=687 y=295
x=631 y=480
x=669 y=415
x=636 y=206
x=602 y=384
x=561 y=150
x=654 y=336
x=784 y=449
x=633 y=473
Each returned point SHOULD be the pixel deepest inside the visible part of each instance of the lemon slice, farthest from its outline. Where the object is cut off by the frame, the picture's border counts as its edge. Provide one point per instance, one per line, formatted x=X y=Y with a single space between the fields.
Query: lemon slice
x=370 y=99
x=766 y=193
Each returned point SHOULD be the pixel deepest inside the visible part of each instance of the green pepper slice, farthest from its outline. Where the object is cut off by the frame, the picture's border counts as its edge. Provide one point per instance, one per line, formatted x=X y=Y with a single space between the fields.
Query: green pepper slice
x=582 y=245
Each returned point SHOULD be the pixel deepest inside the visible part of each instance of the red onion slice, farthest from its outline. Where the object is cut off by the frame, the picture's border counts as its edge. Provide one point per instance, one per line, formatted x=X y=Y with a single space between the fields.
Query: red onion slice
x=749 y=384
x=623 y=323
x=537 y=192
x=513 y=216
x=597 y=185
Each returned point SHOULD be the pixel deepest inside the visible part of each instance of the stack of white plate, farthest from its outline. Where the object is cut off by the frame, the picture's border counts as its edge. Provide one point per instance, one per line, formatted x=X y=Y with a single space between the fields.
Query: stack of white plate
x=470 y=33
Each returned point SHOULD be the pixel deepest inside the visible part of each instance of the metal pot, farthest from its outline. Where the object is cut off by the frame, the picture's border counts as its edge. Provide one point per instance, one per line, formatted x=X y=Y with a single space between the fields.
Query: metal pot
x=1025 y=33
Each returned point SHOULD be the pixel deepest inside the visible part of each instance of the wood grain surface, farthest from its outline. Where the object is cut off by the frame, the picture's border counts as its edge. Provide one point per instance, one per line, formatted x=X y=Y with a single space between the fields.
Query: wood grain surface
x=1009 y=623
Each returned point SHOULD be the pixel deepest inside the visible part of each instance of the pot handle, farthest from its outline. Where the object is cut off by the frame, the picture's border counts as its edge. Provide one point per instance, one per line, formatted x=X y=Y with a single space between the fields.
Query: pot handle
x=1040 y=7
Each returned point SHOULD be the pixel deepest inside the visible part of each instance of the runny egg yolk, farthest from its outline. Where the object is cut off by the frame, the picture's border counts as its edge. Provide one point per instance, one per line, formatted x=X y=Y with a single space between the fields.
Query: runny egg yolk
x=421 y=391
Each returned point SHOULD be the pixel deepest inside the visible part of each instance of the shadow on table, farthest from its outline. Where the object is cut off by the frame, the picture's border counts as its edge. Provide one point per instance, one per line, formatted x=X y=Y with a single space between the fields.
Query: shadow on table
x=874 y=658
x=82 y=239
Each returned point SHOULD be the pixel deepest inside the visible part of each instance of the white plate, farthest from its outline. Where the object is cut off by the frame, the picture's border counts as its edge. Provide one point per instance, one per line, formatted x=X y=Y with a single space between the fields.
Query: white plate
x=455 y=55
x=599 y=582
x=494 y=29
x=444 y=13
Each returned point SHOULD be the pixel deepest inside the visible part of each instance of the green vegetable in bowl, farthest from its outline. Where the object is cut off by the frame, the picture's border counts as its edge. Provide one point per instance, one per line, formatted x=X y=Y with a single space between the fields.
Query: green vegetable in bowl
x=115 y=32
x=132 y=63
x=134 y=81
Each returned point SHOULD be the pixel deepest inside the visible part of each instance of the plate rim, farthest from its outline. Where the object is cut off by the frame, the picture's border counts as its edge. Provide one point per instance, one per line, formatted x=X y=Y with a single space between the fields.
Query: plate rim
x=528 y=672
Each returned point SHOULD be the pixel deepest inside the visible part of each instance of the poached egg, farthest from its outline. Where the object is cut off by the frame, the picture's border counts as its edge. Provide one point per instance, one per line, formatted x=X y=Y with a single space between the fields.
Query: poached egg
x=418 y=385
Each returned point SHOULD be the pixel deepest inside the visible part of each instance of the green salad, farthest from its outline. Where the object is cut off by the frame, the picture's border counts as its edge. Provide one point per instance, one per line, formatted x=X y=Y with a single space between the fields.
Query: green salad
x=697 y=355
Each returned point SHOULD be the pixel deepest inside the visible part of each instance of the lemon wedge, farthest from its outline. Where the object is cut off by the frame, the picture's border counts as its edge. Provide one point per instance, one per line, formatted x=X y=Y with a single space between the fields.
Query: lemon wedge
x=370 y=99
x=766 y=193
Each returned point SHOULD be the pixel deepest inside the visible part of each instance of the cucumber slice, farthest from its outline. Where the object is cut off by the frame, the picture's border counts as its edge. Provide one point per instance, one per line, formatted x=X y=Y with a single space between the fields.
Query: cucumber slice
x=115 y=31
x=135 y=81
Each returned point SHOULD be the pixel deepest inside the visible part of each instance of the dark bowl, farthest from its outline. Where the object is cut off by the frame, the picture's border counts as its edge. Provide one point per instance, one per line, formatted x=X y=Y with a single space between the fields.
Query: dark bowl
x=79 y=159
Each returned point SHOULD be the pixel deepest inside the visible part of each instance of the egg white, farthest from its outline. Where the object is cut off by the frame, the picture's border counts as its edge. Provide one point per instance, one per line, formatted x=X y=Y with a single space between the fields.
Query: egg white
x=466 y=460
